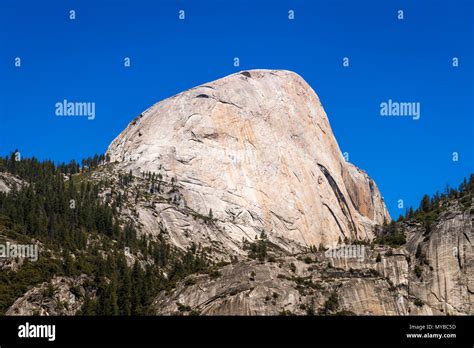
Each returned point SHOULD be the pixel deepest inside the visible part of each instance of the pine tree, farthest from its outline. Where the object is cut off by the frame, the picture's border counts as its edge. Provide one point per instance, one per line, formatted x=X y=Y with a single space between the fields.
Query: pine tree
x=110 y=300
x=89 y=307
x=425 y=204
x=137 y=291
x=125 y=294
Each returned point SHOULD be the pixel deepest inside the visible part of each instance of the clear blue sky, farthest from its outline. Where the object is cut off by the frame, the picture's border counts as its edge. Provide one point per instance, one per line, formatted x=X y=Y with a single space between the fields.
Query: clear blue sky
x=409 y=60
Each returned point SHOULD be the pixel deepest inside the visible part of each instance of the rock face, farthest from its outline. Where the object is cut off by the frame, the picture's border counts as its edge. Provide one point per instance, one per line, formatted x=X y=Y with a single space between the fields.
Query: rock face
x=256 y=147
x=61 y=296
x=446 y=262
x=9 y=181
x=291 y=285
x=389 y=285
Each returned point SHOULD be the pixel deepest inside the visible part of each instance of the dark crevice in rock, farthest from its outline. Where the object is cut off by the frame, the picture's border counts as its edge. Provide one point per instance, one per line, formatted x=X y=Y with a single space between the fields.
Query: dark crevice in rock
x=340 y=197
x=224 y=102
x=335 y=219
x=467 y=238
x=206 y=86
x=458 y=254
x=185 y=161
x=230 y=103
x=322 y=130
x=371 y=186
x=135 y=120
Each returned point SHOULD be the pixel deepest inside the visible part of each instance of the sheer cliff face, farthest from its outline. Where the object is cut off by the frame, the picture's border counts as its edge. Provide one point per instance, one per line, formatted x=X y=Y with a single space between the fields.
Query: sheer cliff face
x=256 y=147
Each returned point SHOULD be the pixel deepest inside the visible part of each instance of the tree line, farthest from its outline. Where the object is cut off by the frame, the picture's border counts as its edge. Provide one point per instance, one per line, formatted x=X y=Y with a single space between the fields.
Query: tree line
x=66 y=213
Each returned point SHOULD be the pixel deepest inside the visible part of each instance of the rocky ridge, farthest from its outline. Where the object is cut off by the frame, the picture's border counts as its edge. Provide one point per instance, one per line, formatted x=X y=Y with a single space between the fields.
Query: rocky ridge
x=385 y=281
x=60 y=296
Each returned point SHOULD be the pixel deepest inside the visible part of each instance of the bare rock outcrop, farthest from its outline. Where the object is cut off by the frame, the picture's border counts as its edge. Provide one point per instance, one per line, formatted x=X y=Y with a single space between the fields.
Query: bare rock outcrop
x=257 y=149
x=307 y=284
x=435 y=280
x=9 y=181
x=60 y=296
x=445 y=262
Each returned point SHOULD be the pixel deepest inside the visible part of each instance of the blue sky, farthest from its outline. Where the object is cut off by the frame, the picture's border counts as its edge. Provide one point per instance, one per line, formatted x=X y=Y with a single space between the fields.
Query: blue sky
x=404 y=60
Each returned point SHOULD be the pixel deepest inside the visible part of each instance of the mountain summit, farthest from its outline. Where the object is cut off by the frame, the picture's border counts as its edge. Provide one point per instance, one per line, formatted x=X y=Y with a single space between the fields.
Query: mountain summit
x=255 y=151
